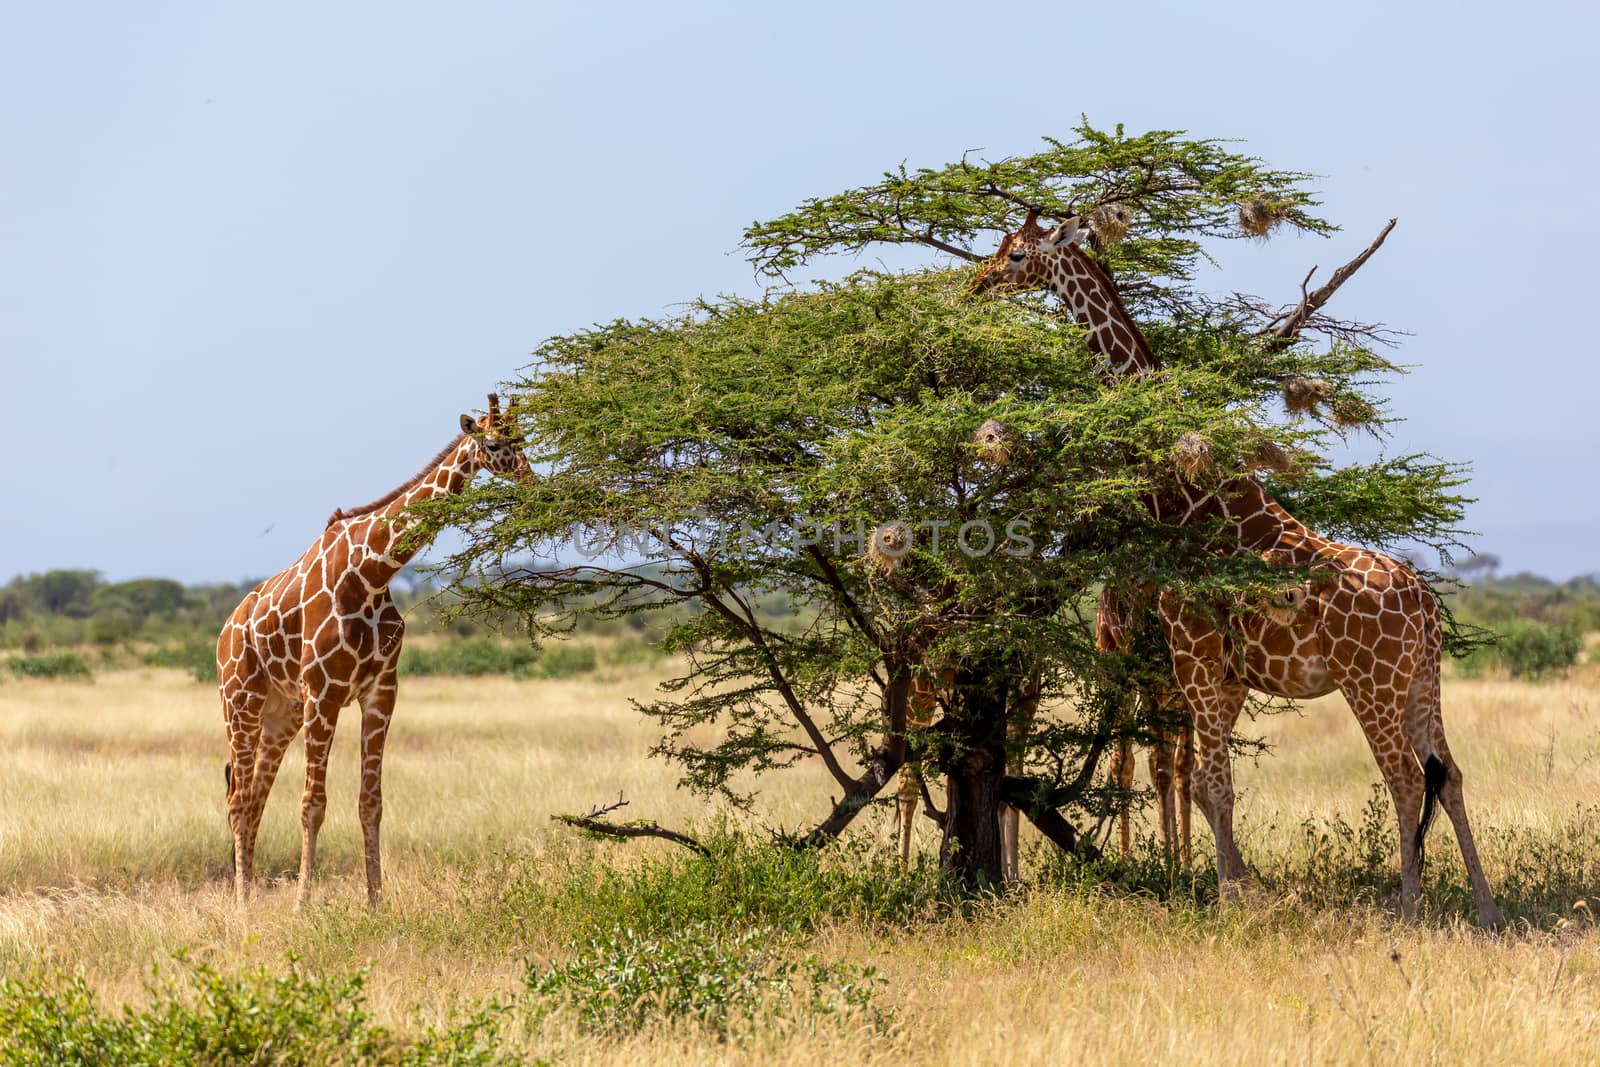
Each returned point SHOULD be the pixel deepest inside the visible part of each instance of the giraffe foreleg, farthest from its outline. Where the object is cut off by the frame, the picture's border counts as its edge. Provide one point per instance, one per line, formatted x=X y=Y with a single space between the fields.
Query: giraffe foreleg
x=1018 y=725
x=1183 y=775
x=280 y=721
x=377 y=706
x=1215 y=703
x=1122 y=775
x=242 y=709
x=1162 y=779
x=321 y=716
x=921 y=704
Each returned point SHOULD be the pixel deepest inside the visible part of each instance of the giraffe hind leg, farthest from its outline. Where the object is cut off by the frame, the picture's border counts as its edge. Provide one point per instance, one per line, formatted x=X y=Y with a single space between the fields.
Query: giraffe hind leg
x=1425 y=731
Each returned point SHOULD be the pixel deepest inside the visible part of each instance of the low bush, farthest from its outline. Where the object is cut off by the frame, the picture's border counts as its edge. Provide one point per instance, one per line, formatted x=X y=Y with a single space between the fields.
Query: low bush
x=201 y=1017
x=743 y=883
x=1526 y=649
x=197 y=658
x=714 y=975
x=564 y=660
x=63 y=665
x=483 y=656
x=471 y=658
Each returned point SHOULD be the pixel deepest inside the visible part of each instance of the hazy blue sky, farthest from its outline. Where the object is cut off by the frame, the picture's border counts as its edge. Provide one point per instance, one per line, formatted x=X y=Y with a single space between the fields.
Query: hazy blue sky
x=257 y=258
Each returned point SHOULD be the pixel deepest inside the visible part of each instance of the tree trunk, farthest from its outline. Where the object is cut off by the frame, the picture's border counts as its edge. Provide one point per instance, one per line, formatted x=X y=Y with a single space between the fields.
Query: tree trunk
x=973 y=760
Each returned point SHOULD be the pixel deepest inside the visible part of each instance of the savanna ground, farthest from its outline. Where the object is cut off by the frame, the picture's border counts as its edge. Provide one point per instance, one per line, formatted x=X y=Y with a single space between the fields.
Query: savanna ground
x=506 y=934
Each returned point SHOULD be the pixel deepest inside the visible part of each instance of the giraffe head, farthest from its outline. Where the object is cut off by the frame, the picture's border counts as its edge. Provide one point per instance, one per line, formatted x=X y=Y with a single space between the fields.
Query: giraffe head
x=497 y=447
x=1028 y=256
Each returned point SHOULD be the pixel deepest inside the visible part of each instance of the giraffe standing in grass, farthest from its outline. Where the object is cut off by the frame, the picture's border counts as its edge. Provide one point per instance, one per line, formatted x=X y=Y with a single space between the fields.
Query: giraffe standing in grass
x=312 y=638
x=1365 y=624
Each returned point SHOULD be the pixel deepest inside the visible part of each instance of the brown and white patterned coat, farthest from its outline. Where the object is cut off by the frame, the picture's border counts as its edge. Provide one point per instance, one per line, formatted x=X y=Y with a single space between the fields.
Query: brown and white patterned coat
x=324 y=632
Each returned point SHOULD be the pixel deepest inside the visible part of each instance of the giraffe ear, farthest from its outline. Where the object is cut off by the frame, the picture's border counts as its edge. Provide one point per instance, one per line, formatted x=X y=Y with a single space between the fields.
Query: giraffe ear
x=467 y=425
x=1069 y=232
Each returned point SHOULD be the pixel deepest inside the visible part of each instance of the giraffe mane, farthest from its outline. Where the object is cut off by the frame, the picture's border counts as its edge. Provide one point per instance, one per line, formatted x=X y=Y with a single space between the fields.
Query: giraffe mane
x=394 y=494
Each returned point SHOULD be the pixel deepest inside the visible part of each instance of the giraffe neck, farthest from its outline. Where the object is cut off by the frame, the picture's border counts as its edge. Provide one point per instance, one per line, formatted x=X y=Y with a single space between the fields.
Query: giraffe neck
x=1092 y=297
x=382 y=530
x=1251 y=520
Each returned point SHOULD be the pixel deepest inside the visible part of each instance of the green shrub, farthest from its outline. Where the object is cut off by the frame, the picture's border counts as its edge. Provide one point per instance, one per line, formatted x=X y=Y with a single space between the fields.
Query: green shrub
x=197 y=657
x=483 y=655
x=565 y=660
x=67 y=665
x=1527 y=649
x=712 y=974
x=204 y=1017
x=474 y=657
x=742 y=883
x=629 y=651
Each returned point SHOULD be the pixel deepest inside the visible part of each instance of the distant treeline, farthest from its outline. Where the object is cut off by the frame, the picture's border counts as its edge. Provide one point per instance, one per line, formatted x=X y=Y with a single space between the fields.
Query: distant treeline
x=161 y=622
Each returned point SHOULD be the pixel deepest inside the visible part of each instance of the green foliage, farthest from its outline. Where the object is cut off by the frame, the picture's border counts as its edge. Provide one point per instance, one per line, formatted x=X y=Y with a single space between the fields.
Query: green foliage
x=1492 y=601
x=565 y=660
x=1334 y=865
x=1527 y=649
x=483 y=655
x=714 y=975
x=201 y=1018
x=1177 y=190
x=744 y=451
x=472 y=657
x=61 y=665
x=197 y=656
x=744 y=883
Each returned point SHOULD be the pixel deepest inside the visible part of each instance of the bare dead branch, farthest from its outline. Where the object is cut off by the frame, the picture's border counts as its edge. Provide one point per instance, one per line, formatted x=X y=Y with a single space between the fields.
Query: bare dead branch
x=1289 y=328
x=594 y=822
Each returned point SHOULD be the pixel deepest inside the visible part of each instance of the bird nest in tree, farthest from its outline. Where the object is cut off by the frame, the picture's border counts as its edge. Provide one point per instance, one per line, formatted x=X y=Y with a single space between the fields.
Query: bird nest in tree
x=1194 y=457
x=1271 y=456
x=888 y=545
x=994 y=442
x=1351 y=411
x=1110 y=222
x=1302 y=396
x=1259 y=217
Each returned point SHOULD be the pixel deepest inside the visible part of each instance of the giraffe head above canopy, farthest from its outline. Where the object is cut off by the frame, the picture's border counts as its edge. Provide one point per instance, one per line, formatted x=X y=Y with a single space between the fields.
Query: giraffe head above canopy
x=499 y=445
x=1027 y=256
x=1033 y=257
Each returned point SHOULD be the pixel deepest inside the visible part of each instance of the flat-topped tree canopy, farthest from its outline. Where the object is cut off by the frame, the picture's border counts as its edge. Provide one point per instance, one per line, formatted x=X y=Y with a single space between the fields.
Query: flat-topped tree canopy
x=1177 y=192
x=737 y=455
x=1161 y=193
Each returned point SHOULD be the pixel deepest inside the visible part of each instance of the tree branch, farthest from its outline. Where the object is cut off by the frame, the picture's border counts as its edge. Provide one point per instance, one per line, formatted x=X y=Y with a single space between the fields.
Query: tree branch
x=1286 y=331
x=594 y=822
x=884 y=763
x=1024 y=795
x=758 y=641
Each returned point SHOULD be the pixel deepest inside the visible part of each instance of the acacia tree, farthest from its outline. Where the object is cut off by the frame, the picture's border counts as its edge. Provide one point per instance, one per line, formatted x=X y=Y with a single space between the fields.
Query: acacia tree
x=821 y=444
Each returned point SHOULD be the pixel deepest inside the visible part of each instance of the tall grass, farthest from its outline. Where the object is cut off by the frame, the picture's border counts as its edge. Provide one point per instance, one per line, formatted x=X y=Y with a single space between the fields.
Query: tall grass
x=506 y=935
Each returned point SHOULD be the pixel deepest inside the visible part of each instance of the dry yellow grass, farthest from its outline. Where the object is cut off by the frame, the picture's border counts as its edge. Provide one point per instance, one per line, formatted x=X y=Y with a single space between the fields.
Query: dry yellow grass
x=114 y=853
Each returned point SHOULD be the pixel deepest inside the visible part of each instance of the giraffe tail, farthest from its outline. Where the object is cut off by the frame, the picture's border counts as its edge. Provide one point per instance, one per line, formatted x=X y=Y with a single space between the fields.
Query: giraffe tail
x=1434 y=776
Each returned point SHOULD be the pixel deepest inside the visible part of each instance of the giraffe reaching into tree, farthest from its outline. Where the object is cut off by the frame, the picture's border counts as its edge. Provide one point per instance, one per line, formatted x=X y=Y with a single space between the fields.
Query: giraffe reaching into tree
x=1366 y=625
x=308 y=640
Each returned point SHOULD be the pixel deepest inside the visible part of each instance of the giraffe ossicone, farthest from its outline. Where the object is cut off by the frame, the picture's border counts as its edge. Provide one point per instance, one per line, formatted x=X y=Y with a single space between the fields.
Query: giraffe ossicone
x=323 y=632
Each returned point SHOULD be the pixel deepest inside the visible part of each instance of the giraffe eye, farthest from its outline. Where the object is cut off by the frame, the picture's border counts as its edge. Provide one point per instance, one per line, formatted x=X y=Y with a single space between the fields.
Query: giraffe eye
x=1018 y=257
